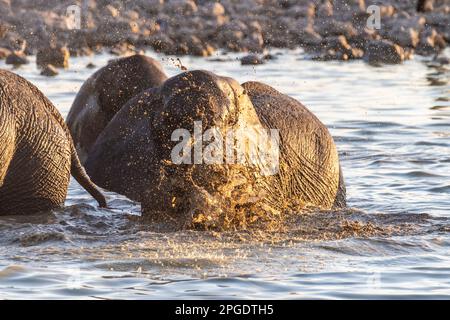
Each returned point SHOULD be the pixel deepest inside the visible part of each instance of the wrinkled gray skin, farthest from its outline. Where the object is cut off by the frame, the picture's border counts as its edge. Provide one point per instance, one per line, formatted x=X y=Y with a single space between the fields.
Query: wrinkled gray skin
x=132 y=156
x=37 y=155
x=105 y=92
x=309 y=163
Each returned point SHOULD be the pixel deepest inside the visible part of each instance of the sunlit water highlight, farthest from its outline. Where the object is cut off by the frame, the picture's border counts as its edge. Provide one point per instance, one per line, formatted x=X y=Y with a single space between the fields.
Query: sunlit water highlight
x=392 y=127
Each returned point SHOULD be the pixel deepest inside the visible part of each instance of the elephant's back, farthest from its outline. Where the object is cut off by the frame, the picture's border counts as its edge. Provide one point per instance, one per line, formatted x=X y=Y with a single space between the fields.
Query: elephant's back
x=309 y=161
x=105 y=92
x=39 y=169
x=28 y=104
x=124 y=78
x=281 y=111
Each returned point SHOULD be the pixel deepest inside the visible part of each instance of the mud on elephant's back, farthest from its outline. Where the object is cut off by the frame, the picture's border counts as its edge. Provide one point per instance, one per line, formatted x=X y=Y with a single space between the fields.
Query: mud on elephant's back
x=137 y=155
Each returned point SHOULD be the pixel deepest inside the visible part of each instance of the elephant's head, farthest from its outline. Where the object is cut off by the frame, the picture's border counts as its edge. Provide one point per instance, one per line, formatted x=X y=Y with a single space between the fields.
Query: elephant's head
x=203 y=150
x=205 y=132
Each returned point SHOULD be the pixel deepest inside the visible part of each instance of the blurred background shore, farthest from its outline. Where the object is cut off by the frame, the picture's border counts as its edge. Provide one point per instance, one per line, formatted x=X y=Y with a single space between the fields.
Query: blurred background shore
x=388 y=31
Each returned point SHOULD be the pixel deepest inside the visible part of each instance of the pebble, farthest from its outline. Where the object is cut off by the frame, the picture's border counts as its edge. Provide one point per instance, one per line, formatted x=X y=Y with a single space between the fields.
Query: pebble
x=49 y=71
x=252 y=59
x=16 y=59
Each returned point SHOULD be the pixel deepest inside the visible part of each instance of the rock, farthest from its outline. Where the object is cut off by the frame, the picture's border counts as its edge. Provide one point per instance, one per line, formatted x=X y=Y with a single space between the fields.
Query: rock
x=325 y=9
x=132 y=15
x=214 y=9
x=301 y=11
x=161 y=42
x=416 y=23
x=192 y=45
x=5 y=7
x=270 y=56
x=440 y=21
x=253 y=42
x=346 y=7
x=360 y=41
x=110 y=11
x=4 y=52
x=251 y=59
x=384 y=51
x=409 y=53
x=49 y=71
x=330 y=27
x=150 y=27
x=333 y=54
x=430 y=42
x=57 y=56
x=310 y=11
x=16 y=59
x=442 y=60
x=80 y=52
x=327 y=55
x=307 y=37
x=405 y=37
x=387 y=11
x=254 y=26
x=356 y=53
x=277 y=33
x=200 y=48
x=334 y=48
x=123 y=49
x=231 y=34
x=424 y=5
x=182 y=7
x=90 y=65
x=111 y=32
x=338 y=43
x=4 y=28
x=13 y=42
x=80 y=42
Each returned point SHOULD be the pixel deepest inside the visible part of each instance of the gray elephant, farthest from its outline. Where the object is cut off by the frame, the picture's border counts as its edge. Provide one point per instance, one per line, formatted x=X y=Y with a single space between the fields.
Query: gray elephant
x=309 y=170
x=37 y=155
x=201 y=181
x=105 y=92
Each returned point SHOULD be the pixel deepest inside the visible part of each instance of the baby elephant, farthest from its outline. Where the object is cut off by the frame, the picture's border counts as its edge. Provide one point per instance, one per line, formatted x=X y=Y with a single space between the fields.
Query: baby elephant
x=37 y=155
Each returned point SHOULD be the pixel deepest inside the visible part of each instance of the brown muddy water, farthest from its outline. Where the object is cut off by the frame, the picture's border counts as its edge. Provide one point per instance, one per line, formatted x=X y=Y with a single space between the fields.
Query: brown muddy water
x=392 y=128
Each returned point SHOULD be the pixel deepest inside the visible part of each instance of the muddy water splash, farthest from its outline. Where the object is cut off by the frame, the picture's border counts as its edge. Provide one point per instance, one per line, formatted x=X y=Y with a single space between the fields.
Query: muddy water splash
x=391 y=125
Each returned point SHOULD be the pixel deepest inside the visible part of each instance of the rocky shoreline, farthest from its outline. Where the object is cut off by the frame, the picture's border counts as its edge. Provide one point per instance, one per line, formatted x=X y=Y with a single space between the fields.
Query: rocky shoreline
x=325 y=29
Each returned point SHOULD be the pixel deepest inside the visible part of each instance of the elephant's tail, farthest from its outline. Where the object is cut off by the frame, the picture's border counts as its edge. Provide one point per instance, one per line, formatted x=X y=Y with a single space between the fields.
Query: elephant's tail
x=83 y=179
x=341 y=196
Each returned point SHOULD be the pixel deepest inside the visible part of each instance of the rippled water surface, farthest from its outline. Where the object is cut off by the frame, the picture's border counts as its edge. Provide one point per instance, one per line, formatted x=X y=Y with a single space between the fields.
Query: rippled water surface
x=392 y=127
